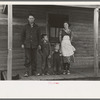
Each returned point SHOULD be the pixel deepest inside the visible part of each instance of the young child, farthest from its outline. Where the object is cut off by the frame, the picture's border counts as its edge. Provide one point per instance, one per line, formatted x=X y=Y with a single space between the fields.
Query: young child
x=56 y=59
x=46 y=53
x=67 y=52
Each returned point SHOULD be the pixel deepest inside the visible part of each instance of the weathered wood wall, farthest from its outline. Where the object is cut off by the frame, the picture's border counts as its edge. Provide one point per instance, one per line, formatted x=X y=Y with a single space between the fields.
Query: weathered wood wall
x=81 y=20
x=3 y=40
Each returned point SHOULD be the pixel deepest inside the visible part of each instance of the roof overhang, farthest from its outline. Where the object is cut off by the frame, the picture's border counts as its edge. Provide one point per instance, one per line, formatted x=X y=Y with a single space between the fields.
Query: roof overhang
x=80 y=6
x=86 y=6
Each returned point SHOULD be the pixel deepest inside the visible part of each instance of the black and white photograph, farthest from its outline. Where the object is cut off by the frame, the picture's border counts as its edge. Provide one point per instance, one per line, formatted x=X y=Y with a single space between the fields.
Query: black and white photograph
x=49 y=49
x=49 y=42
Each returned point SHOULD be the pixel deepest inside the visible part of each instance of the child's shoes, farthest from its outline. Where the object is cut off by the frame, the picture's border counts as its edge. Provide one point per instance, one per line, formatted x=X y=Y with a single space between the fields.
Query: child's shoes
x=64 y=72
x=68 y=72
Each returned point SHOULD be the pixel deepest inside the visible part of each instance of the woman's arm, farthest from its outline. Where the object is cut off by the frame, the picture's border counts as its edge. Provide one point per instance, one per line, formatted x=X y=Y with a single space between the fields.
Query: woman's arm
x=71 y=36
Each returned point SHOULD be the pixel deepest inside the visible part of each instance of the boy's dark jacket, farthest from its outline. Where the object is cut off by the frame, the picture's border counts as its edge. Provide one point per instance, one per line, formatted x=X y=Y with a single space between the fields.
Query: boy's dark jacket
x=45 y=48
x=31 y=37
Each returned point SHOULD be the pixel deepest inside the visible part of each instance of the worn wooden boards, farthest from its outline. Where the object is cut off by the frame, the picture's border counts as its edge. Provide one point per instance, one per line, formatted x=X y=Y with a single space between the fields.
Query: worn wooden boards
x=81 y=20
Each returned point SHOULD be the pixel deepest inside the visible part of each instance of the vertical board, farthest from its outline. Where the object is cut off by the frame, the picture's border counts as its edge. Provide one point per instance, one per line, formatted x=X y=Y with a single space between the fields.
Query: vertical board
x=9 y=61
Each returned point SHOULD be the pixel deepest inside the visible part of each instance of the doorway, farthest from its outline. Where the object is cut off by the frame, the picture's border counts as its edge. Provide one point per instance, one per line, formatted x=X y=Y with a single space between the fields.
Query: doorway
x=55 y=25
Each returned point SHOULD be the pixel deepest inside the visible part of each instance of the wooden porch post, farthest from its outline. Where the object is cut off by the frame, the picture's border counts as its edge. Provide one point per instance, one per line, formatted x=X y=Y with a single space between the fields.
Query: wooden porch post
x=9 y=60
x=96 y=25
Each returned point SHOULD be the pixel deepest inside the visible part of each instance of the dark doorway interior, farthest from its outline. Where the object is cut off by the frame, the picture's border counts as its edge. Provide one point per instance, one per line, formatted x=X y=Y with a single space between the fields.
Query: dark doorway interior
x=56 y=22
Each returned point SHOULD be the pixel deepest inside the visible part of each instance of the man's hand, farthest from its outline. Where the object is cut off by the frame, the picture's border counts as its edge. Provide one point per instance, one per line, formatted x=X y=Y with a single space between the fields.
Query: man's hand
x=49 y=56
x=60 y=54
x=39 y=47
x=22 y=46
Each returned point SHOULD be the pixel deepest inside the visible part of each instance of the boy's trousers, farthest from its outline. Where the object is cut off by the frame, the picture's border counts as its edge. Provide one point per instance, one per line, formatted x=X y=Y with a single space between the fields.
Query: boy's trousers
x=45 y=63
x=56 y=61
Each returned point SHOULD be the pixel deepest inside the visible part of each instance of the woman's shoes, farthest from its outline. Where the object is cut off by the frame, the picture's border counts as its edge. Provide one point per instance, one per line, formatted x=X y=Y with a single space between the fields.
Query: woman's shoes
x=66 y=72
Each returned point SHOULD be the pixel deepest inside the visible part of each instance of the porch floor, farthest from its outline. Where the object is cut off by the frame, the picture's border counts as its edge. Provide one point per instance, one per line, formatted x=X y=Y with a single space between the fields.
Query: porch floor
x=76 y=74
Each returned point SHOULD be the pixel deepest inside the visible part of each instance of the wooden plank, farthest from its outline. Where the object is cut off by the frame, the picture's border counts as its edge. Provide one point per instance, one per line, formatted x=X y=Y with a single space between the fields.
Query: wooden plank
x=9 y=61
x=96 y=25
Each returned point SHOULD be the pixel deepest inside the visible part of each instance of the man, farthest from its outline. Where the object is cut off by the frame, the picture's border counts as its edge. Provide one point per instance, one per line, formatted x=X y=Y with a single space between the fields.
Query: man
x=31 y=38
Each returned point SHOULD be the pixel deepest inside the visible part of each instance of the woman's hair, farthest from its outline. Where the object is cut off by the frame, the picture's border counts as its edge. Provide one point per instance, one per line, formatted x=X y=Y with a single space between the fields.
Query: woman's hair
x=67 y=23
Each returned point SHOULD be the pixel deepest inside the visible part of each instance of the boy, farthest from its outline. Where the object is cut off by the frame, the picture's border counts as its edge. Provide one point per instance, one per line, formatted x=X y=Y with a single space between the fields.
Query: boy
x=56 y=59
x=46 y=53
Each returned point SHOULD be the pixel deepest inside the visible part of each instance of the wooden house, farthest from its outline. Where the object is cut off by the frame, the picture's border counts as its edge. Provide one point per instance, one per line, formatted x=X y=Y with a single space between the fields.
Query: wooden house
x=50 y=19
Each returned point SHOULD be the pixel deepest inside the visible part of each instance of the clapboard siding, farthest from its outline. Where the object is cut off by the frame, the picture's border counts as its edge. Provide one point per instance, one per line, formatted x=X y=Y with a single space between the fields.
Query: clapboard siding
x=23 y=11
x=3 y=39
x=3 y=31
x=81 y=20
x=3 y=46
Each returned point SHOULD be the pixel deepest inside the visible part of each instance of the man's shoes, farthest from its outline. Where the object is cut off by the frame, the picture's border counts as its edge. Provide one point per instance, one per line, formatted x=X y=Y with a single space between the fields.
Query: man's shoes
x=38 y=74
x=26 y=74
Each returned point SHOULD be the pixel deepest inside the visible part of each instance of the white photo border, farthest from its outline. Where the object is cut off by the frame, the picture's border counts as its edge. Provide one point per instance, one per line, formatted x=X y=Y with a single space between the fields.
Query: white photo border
x=49 y=89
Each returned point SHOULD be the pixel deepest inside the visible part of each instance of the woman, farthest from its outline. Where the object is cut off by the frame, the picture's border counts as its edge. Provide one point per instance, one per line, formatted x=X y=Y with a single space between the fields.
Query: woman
x=66 y=60
x=66 y=31
x=68 y=52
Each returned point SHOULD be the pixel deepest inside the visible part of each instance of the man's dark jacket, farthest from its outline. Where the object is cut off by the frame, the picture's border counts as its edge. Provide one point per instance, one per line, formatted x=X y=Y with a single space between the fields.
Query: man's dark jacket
x=31 y=37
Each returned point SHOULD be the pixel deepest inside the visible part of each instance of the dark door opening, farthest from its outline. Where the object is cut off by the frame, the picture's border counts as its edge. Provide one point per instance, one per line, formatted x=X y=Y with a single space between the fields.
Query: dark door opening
x=55 y=22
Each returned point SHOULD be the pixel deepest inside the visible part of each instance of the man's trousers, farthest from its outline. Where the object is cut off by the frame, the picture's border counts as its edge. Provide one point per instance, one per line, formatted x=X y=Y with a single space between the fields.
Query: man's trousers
x=31 y=59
